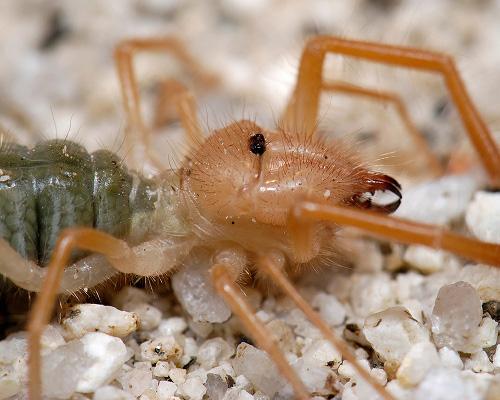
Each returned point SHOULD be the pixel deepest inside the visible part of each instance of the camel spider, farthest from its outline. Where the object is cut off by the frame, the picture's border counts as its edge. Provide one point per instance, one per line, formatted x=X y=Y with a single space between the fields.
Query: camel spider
x=272 y=197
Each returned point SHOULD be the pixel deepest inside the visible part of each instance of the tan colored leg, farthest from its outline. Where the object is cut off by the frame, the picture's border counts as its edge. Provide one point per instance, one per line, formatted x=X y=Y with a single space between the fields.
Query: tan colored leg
x=302 y=110
x=231 y=293
x=304 y=215
x=397 y=102
x=118 y=254
x=25 y=274
x=177 y=102
x=275 y=273
x=124 y=54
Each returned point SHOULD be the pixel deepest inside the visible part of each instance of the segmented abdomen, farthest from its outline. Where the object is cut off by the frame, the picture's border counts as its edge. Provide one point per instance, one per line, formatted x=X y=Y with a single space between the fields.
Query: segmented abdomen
x=58 y=184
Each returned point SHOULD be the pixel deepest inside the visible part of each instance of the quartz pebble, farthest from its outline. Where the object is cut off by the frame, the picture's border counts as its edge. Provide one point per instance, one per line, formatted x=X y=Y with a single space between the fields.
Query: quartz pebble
x=321 y=352
x=479 y=362
x=166 y=390
x=313 y=375
x=172 y=326
x=393 y=332
x=365 y=255
x=250 y=362
x=213 y=351
x=456 y=317
x=416 y=363
x=13 y=348
x=488 y=332
x=445 y=384
x=496 y=358
x=10 y=382
x=283 y=335
x=330 y=309
x=111 y=393
x=149 y=317
x=483 y=216
x=485 y=279
x=358 y=388
x=425 y=259
x=164 y=349
x=440 y=201
x=107 y=354
x=178 y=375
x=372 y=293
x=84 y=318
x=450 y=358
x=130 y=296
x=194 y=290
x=63 y=365
x=216 y=387
x=82 y=365
x=192 y=388
x=136 y=381
x=161 y=369
x=398 y=391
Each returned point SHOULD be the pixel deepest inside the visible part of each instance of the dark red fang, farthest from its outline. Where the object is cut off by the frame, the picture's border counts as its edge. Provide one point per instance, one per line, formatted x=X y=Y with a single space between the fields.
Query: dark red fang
x=382 y=183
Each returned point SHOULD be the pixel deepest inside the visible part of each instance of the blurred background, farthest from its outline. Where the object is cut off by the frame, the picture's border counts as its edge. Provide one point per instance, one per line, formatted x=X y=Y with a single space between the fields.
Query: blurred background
x=57 y=74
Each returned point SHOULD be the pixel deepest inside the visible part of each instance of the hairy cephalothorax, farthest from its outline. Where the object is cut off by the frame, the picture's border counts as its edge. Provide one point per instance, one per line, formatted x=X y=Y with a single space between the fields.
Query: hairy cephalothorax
x=246 y=201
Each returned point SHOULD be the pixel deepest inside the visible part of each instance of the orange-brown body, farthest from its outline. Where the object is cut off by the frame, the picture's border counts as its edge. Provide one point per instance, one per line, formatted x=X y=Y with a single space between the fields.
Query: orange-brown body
x=234 y=195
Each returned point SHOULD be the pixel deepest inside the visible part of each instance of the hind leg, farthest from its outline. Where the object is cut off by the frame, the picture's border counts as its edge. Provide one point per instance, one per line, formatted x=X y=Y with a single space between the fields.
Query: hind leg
x=136 y=128
x=177 y=102
x=398 y=104
x=155 y=257
x=301 y=112
x=115 y=250
x=27 y=275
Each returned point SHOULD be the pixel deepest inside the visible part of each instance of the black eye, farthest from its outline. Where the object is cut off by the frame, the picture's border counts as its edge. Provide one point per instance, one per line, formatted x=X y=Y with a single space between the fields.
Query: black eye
x=257 y=144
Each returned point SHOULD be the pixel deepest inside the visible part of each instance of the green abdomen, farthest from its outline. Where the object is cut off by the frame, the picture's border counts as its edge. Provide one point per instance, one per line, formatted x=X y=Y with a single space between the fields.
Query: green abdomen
x=57 y=185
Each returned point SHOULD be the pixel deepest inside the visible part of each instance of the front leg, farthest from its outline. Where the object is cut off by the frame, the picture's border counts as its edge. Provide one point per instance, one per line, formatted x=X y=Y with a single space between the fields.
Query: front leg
x=306 y=214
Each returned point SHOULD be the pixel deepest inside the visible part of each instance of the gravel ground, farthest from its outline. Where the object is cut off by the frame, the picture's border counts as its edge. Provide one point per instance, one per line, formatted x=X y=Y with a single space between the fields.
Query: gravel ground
x=422 y=321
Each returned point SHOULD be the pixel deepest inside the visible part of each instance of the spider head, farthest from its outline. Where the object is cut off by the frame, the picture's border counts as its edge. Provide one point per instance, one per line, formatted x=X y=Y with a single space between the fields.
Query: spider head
x=243 y=173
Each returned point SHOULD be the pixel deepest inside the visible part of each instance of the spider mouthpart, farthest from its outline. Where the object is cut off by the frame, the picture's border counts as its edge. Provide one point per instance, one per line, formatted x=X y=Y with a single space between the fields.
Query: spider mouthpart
x=381 y=183
x=257 y=144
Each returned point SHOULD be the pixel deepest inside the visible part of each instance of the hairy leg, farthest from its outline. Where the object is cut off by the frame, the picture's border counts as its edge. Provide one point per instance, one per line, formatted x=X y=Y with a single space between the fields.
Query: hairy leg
x=398 y=104
x=304 y=215
x=301 y=113
x=231 y=293
x=177 y=102
x=27 y=275
x=150 y=258
x=272 y=268
x=114 y=249
x=124 y=58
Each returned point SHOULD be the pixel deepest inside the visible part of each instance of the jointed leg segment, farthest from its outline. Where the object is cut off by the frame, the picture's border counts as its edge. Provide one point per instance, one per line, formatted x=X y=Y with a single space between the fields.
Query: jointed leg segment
x=230 y=292
x=305 y=214
x=124 y=55
x=397 y=102
x=302 y=110
x=176 y=100
x=116 y=251
x=269 y=267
